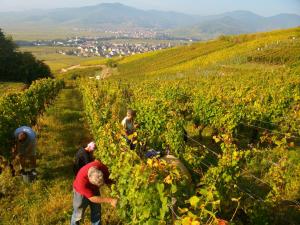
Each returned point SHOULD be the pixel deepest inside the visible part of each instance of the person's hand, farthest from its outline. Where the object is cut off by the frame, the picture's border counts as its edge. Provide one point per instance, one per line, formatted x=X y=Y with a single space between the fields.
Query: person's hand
x=114 y=202
x=14 y=148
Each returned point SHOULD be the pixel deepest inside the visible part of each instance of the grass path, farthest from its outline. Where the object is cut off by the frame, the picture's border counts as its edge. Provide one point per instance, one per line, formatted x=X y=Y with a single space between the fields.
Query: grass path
x=49 y=200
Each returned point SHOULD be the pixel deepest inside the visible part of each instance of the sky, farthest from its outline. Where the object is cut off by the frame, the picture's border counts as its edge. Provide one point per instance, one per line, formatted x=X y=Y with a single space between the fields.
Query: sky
x=201 y=7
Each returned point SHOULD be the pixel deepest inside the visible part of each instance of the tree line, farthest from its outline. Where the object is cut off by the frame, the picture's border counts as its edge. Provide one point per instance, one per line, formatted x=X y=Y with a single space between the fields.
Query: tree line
x=19 y=66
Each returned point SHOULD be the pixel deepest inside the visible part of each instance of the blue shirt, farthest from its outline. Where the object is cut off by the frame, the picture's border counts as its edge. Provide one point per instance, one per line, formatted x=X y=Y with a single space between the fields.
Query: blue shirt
x=30 y=140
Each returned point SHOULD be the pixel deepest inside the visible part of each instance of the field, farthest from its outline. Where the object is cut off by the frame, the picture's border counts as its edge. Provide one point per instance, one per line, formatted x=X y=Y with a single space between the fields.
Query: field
x=31 y=33
x=229 y=109
x=11 y=87
x=56 y=61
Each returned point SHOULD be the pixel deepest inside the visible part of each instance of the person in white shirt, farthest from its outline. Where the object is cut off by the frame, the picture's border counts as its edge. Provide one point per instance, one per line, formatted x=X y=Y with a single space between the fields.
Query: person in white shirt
x=129 y=127
x=128 y=122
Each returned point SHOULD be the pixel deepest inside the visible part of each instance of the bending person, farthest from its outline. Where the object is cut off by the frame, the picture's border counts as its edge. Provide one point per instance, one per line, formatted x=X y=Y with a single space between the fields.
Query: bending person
x=25 y=149
x=84 y=156
x=86 y=192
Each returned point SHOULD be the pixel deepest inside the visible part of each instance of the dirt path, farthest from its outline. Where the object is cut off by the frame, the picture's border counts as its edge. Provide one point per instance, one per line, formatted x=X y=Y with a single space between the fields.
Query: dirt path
x=78 y=66
x=105 y=72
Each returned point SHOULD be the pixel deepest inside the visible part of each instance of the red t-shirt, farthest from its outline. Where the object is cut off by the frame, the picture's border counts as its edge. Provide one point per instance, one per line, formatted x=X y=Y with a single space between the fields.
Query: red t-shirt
x=83 y=186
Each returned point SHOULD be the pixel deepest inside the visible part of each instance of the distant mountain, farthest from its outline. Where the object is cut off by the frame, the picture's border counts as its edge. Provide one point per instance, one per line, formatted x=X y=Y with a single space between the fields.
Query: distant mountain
x=238 y=22
x=117 y=15
x=106 y=14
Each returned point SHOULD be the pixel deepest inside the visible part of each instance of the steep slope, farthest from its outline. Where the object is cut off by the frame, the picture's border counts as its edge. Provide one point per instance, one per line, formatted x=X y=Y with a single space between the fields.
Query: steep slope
x=276 y=47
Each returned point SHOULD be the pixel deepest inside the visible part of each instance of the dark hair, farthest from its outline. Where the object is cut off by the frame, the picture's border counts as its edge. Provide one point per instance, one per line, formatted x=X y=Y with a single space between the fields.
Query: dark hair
x=22 y=137
x=131 y=112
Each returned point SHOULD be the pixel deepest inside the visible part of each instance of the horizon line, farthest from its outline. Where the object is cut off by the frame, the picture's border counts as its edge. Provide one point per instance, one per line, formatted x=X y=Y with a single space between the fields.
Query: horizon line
x=167 y=11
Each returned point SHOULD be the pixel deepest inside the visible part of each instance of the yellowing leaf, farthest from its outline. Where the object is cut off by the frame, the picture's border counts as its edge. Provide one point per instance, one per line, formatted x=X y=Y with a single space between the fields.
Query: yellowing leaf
x=168 y=179
x=217 y=140
x=194 y=201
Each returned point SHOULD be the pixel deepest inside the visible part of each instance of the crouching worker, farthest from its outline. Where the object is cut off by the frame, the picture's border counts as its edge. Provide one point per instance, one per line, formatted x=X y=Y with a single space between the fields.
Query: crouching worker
x=171 y=160
x=86 y=192
x=84 y=156
x=24 y=150
x=130 y=128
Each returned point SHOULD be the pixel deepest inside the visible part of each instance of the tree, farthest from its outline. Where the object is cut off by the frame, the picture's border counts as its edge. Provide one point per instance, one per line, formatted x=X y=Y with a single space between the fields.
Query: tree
x=19 y=66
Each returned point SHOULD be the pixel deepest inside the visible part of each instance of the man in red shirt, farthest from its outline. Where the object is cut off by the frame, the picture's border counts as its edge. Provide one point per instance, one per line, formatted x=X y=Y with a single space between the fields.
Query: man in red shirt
x=86 y=192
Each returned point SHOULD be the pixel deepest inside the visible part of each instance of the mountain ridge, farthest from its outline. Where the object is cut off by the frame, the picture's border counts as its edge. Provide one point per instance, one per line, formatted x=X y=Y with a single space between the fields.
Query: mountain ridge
x=117 y=15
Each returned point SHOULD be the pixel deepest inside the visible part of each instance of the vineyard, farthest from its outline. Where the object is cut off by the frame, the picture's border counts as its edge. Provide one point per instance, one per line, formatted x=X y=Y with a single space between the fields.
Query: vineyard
x=229 y=109
x=23 y=108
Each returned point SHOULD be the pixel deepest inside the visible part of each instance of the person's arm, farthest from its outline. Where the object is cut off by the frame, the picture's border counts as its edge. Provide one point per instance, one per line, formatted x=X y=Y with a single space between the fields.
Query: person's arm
x=14 y=150
x=124 y=123
x=136 y=125
x=97 y=199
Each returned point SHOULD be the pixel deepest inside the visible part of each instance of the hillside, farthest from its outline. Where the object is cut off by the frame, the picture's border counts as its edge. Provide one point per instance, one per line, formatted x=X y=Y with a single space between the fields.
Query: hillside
x=114 y=15
x=117 y=16
x=273 y=49
x=228 y=108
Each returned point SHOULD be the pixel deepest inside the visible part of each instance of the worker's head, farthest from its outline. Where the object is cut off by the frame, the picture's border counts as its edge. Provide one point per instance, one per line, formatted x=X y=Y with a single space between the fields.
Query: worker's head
x=131 y=114
x=95 y=176
x=91 y=147
x=22 y=136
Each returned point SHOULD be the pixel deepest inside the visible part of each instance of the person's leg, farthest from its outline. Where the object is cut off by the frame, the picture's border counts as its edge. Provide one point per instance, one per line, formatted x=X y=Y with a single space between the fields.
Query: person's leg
x=22 y=160
x=32 y=160
x=32 y=157
x=79 y=205
x=95 y=213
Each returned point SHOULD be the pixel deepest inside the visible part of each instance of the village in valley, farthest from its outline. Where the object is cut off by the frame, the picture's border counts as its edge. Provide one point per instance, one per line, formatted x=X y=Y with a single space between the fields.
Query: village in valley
x=111 y=44
x=111 y=49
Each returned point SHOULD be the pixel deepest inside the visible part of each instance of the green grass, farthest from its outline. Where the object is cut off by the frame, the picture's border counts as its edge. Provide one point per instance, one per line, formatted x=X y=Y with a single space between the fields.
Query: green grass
x=61 y=131
x=56 y=61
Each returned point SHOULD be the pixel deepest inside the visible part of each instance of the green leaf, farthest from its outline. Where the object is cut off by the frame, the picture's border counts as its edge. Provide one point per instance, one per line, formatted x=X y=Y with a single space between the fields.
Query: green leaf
x=173 y=189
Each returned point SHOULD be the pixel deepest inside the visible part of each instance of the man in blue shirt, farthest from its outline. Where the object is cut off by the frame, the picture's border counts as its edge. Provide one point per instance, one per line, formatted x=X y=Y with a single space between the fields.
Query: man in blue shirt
x=25 y=149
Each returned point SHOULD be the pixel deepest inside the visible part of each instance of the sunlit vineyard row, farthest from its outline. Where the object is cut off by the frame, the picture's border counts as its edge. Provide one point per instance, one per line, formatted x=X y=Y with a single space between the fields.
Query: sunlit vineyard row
x=229 y=109
x=17 y=109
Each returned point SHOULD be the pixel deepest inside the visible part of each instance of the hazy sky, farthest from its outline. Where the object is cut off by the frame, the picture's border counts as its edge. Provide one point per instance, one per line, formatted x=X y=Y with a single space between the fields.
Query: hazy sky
x=202 y=7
